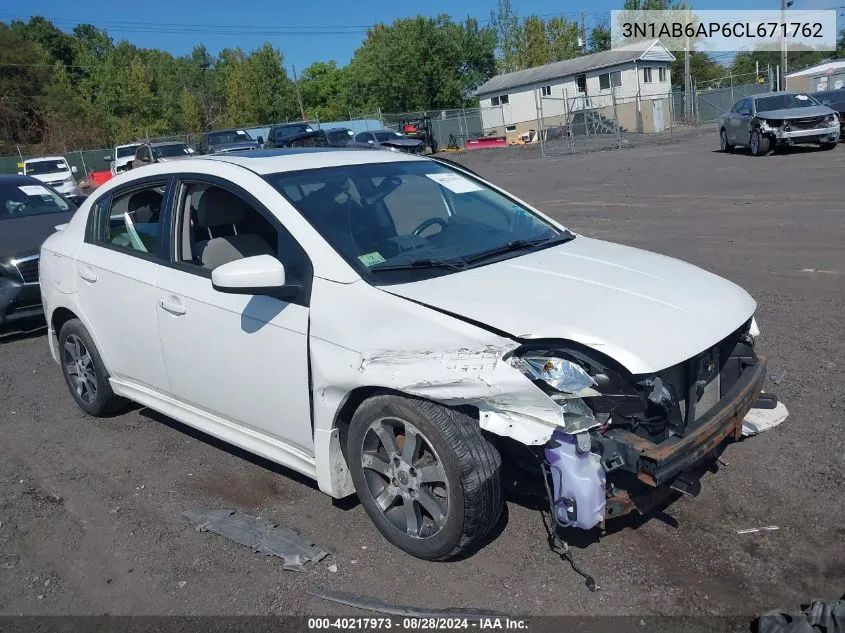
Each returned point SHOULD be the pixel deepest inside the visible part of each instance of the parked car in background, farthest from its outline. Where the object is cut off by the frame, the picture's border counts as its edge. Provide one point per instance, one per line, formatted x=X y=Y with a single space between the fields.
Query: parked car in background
x=391 y=325
x=334 y=137
x=122 y=158
x=835 y=100
x=765 y=121
x=228 y=141
x=53 y=171
x=280 y=135
x=388 y=139
x=161 y=152
x=30 y=211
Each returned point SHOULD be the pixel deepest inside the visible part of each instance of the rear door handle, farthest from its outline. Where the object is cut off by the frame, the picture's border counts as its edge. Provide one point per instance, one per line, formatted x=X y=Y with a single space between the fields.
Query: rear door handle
x=88 y=275
x=172 y=307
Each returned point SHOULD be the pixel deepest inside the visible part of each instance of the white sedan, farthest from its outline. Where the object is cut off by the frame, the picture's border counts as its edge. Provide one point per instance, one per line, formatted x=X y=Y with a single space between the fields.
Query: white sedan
x=395 y=326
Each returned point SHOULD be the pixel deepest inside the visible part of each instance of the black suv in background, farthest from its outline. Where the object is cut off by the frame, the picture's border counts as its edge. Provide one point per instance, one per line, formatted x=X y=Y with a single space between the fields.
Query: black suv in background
x=280 y=135
x=228 y=141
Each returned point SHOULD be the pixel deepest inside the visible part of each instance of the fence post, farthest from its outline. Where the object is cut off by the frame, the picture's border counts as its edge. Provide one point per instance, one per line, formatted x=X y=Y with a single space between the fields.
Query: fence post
x=82 y=158
x=615 y=118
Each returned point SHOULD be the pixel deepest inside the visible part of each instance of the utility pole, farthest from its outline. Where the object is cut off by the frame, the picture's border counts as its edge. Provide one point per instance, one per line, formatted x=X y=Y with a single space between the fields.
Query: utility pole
x=298 y=94
x=782 y=81
x=688 y=96
x=583 y=34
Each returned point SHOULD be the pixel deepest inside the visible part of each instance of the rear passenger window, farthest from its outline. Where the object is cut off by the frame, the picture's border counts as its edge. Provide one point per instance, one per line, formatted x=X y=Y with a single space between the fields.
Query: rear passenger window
x=130 y=221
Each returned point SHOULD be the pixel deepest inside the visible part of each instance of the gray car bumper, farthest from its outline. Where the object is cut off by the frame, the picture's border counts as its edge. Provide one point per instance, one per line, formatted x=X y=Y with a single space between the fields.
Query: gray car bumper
x=816 y=135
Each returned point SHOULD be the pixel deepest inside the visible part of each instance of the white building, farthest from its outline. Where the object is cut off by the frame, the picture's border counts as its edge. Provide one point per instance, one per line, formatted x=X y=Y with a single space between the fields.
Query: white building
x=828 y=75
x=630 y=83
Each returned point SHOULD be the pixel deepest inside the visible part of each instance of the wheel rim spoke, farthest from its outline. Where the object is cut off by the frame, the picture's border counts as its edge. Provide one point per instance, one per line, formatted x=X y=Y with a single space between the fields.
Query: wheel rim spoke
x=373 y=462
x=386 y=498
x=410 y=447
x=432 y=473
x=387 y=439
x=432 y=506
x=412 y=517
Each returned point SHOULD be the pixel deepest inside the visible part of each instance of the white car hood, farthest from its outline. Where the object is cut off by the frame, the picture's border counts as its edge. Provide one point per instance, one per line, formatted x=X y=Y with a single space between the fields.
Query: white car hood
x=646 y=311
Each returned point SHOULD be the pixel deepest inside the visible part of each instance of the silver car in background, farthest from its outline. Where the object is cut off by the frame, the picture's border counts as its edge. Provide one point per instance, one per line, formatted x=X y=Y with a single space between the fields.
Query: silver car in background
x=763 y=122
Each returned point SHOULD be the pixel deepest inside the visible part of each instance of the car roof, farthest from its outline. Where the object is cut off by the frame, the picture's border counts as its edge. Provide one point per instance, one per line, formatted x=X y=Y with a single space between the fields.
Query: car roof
x=778 y=94
x=136 y=143
x=14 y=179
x=162 y=143
x=270 y=161
x=32 y=160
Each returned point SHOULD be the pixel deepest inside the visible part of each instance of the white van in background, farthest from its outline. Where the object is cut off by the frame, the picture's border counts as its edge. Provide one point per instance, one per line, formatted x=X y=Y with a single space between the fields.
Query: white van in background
x=54 y=171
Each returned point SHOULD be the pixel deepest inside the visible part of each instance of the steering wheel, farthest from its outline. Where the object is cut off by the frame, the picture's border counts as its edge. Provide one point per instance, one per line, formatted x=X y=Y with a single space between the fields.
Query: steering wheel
x=427 y=223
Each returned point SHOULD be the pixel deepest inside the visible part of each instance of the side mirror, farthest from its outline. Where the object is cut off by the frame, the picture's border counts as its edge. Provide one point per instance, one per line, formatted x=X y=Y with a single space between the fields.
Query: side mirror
x=260 y=140
x=258 y=275
x=73 y=169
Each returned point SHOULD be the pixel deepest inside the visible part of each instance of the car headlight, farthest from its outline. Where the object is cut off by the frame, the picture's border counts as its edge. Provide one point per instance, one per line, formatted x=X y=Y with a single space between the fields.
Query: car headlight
x=70 y=181
x=569 y=383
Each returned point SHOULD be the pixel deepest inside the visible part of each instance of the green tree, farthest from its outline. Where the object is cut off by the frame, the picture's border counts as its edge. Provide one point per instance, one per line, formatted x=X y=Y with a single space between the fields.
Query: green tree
x=26 y=71
x=533 y=49
x=799 y=57
x=599 y=38
x=55 y=42
x=322 y=85
x=563 y=36
x=420 y=63
x=505 y=23
x=190 y=110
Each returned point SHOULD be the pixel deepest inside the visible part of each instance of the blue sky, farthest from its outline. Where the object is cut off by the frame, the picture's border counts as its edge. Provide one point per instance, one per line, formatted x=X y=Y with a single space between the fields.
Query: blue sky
x=325 y=29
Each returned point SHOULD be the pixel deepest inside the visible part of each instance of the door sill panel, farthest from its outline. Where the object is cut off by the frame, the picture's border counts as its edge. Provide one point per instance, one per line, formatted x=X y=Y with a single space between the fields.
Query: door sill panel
x=249 y=440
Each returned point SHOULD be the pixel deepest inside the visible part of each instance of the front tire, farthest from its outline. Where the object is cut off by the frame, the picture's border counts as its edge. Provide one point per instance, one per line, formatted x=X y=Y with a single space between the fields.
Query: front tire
x=723 y=142
x=827 y=146
x=759 y=143
x=425 y=474
x=84 y=371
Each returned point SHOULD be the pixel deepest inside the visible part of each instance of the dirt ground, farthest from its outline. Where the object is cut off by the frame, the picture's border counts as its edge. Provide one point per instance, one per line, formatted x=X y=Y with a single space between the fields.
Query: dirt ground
x=91 y=510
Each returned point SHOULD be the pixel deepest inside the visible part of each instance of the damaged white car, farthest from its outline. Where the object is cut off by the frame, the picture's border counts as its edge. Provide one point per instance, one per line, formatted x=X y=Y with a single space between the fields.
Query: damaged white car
x=396 y=327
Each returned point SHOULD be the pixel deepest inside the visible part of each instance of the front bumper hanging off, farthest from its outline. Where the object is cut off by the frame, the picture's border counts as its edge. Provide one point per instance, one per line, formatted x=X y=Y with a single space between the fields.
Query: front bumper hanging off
x=659 y=464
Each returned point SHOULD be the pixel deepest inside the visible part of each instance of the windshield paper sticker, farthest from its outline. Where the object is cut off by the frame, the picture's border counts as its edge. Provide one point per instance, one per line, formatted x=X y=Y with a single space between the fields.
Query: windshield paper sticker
x=801 y=97
x=454 y=183
x=371 y=259
x=34 y=190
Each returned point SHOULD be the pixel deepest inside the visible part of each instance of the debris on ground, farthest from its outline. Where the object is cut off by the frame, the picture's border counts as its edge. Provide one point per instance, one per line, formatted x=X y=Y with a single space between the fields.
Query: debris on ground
x=759 y=420
x=262 y=536
x=8 y=562
x=333 y=569
x=820 y=616
x=368 y=603
x=765 y=528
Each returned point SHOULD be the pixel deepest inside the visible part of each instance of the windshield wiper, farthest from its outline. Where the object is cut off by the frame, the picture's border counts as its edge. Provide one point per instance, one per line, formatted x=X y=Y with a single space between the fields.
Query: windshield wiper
x=518 y=245
x=417 y=264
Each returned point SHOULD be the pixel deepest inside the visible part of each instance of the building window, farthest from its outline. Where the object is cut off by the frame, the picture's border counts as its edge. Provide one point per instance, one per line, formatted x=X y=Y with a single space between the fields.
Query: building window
x=607 y=80
x=504 y=99
x=510 y=128
x=646 y=75
x=501 y=99
x=494 y=101
x=661 y=74
x=546 y=91
x=581 y=83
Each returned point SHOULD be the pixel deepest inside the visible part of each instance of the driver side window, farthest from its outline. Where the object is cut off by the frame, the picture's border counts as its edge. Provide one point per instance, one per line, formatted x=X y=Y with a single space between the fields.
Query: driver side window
x=130 y=221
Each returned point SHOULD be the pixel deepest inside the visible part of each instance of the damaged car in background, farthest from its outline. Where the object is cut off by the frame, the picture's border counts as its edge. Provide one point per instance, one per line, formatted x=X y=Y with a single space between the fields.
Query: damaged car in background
x=398 y=328
x=774 y=119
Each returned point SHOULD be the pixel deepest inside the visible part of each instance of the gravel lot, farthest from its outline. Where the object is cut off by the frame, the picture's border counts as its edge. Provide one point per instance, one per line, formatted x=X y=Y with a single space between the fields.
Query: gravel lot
x=90 y=510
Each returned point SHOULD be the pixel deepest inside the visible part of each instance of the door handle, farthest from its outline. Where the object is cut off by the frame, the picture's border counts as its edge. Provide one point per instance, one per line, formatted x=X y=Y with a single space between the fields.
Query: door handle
x=88 y=275
x=172 y=307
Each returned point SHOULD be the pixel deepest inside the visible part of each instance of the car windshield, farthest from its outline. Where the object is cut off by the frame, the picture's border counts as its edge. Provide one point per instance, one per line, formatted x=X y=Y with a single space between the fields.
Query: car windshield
x=44 y=167
x=293 y=130
x=387 y=135
x=339 y=136
x=129 y=150
x=229 y=136
x=785 y=102
x=20 y=200
x=403 y=221
x=169 y=151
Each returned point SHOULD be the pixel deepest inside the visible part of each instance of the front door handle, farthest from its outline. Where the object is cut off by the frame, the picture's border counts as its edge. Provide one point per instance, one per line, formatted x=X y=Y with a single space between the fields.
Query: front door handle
x=88 y=275
x=172 y=307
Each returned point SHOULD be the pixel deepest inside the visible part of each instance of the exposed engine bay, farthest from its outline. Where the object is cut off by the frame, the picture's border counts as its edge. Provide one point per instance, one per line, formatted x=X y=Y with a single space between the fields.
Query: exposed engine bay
x=630 y=440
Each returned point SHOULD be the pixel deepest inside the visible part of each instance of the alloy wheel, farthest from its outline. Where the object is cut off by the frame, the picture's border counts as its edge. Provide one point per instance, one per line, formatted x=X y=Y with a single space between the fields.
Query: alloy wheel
x=723 y=138
x=405 y=477
x=755 y=143
x=80 y=368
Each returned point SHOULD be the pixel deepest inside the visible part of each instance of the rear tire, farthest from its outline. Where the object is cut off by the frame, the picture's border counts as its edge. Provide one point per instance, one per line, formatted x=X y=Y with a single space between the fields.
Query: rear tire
x=723 y=142
x=84 y=371
x=425 y=474
x=759 y=143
